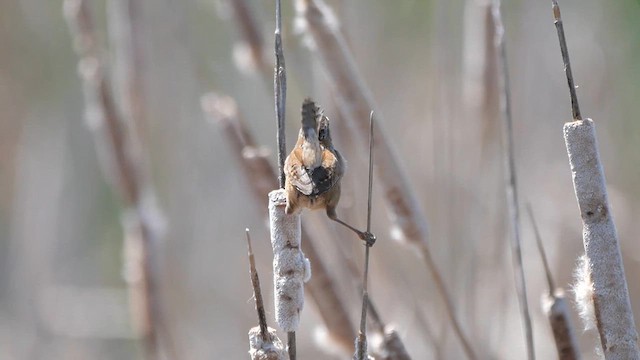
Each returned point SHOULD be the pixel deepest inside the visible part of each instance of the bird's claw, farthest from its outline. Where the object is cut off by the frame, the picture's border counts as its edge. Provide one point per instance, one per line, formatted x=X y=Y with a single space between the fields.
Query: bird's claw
x=369 y=238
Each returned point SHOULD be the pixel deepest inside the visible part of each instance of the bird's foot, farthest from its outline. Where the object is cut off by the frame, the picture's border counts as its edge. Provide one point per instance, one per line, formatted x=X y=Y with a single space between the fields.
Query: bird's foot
x=369 y=238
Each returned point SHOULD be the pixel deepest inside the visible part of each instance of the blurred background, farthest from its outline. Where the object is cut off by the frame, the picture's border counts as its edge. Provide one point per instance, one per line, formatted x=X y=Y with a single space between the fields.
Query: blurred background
x=62 y=294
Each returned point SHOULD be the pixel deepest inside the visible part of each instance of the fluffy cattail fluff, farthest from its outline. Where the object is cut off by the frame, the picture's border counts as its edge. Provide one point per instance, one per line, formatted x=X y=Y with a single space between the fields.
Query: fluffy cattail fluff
x=583 y=291
x=269 y=349
x=290 y=267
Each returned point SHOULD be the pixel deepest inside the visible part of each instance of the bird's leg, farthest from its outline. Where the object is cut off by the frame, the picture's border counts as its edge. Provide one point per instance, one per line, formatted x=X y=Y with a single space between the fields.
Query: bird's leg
x=368 y=237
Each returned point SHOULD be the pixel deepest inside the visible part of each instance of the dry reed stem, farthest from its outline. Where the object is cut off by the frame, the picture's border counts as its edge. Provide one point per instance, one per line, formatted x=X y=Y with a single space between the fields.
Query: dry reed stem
x=280 y=92
x=555 y=305
x=361 y=339
x=557 y=311
x=605 y=271
x=480 y=93
x=613 y=314
x=264 y=343
x=510 y=175
x=257 y=291
x=250 y=31
x=355 y=102
x=126 y=32
x=323 y=289
x=123 y=163
x=391 y=347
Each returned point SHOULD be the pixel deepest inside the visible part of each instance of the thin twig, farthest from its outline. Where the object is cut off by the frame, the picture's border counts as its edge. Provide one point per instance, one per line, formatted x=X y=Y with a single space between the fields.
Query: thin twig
x=557 y=20
x=361 y=341
x=280 y=89
x=257 y=292
x=118 y=143
x=543 y=254
x=510 y=173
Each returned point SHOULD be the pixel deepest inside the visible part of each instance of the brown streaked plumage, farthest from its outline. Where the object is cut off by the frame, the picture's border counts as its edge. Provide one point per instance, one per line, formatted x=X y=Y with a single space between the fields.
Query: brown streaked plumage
x=314 y=169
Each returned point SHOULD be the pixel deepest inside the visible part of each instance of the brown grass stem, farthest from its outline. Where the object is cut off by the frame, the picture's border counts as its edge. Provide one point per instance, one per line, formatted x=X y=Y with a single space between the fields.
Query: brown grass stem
x=257 y=292
x=510 y=174
x=124 y=164
x=248 y=26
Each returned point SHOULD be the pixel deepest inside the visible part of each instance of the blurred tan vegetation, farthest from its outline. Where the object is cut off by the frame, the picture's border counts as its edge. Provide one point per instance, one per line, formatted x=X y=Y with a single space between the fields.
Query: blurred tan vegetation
x=62 y=295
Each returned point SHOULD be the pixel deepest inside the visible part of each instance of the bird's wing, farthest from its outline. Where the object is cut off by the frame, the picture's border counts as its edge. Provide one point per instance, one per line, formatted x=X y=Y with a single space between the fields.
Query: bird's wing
x=298 y=175
x=326 y=176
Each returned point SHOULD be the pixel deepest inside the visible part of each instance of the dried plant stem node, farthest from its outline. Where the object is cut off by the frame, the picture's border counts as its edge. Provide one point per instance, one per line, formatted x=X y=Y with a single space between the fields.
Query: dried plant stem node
x=612 y=306
x=290 y=267
x=266 y=349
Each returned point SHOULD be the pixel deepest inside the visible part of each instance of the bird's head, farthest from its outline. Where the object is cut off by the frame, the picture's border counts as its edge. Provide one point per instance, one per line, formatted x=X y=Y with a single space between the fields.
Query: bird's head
x=309 y=119
x=324 y=134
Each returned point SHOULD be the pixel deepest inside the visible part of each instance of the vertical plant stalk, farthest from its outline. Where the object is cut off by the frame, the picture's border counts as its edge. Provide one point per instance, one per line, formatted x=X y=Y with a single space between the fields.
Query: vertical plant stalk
x=510 y=174
x=251 y=33
x=392 y=347
x=262 y=177
x=280 y=90
x=355 y=102
x=264 y=344
x=612 y=306
x=555 y=306
x=280 y=96
x=124 y=165
x=361 y=340
x=126 y=30
x=257 y=292
x=290 y=268
x=613 y=314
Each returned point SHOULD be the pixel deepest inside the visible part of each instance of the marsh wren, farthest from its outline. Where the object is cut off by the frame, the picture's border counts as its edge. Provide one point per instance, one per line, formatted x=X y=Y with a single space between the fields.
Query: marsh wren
x=314 y=169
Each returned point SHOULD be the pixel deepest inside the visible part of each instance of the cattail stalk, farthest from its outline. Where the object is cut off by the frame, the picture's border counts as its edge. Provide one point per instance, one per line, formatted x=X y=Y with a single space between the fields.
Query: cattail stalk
x=510 y=175
x=124 y=164
x=613 y=314
x=610 y=297
x=290 y=267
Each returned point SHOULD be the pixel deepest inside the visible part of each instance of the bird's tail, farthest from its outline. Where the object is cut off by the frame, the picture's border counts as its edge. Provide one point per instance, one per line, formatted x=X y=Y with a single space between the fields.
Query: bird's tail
x=309 y=116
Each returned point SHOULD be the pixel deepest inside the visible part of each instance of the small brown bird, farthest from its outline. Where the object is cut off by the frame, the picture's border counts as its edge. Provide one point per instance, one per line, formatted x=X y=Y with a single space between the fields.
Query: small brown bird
x=314 y=169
